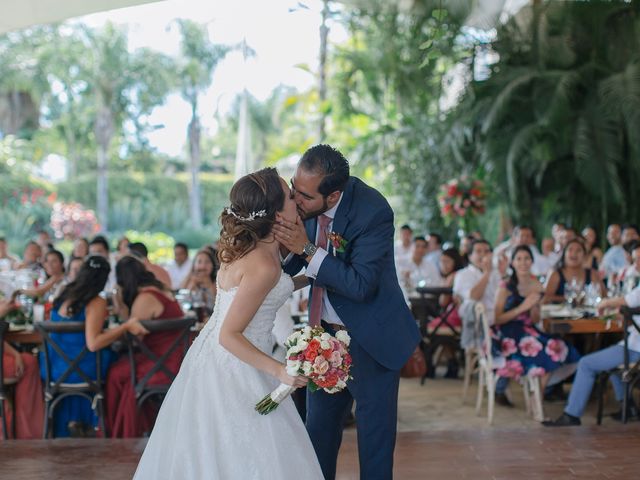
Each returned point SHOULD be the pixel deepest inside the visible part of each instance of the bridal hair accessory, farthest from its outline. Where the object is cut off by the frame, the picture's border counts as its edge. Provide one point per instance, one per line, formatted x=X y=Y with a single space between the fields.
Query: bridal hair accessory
x=317 y=355
x=252 y=215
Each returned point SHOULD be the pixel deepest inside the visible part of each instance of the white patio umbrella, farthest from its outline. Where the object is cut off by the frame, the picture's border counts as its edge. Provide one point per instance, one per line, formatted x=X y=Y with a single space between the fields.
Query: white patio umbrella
x=18 y=14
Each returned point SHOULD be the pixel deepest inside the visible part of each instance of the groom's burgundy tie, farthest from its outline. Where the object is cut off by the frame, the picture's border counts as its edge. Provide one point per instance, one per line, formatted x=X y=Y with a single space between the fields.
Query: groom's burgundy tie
x=315 y=311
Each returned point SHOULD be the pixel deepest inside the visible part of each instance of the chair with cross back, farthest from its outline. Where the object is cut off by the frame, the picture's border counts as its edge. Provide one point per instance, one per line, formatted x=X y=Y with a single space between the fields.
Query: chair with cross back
x=75 y=379
x=144 y=385
x=438 y=332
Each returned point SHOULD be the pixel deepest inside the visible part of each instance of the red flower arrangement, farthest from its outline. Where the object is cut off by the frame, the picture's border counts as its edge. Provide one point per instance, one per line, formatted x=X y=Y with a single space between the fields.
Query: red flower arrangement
x=461 y=198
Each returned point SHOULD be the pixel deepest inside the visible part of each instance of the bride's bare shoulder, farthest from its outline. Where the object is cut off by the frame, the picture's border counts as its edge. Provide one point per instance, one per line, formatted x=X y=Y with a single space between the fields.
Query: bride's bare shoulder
x=257 y=264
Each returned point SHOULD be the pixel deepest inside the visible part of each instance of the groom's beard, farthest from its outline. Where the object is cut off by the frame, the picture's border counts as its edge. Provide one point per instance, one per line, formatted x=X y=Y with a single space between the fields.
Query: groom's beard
x=307 y=215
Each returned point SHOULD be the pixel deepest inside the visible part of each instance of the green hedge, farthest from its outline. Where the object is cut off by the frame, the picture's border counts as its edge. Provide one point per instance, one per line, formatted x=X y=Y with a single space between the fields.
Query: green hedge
x=151 y=201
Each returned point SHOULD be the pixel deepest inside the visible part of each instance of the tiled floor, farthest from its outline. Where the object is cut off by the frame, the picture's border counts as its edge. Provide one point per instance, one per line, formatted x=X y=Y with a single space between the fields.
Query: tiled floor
x=439 y=438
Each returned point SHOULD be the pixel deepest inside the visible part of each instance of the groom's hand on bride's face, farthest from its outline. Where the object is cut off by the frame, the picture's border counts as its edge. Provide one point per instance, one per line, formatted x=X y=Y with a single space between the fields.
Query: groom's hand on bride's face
x=292 y=235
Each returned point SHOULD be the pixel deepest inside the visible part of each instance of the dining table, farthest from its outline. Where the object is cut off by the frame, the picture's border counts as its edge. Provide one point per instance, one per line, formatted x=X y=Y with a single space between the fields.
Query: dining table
x=565 y=320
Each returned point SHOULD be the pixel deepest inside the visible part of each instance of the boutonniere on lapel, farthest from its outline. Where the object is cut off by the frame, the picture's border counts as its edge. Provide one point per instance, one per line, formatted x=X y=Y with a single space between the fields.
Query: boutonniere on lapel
x=337 y=242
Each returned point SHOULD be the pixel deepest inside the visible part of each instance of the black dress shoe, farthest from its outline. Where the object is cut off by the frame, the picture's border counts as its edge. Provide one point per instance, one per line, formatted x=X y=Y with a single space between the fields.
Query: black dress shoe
x=564 y=420
x=503 y=400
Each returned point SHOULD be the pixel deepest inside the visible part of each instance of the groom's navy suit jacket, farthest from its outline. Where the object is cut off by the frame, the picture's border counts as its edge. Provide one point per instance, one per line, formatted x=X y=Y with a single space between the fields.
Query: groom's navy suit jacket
x=361 y=282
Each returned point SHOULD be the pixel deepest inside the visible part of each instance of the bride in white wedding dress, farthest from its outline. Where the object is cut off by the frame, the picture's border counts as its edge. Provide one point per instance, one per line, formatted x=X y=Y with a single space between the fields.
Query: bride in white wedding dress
x=207 y=427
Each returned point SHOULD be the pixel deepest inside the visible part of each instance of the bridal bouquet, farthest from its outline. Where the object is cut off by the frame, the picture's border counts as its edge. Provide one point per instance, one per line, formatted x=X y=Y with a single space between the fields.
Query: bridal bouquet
x=315 y=354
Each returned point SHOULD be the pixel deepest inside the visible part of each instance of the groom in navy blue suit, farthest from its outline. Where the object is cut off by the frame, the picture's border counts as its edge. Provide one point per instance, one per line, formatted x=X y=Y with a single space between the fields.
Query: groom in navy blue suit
x=356 y=287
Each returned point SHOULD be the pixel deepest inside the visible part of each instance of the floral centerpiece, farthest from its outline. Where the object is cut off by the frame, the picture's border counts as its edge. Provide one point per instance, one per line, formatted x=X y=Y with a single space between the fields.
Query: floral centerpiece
x=317 y=355
x=461 y=199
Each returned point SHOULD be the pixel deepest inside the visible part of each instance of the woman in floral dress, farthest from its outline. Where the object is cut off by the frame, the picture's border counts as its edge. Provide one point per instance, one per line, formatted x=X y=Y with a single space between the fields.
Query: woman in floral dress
x=525 y=348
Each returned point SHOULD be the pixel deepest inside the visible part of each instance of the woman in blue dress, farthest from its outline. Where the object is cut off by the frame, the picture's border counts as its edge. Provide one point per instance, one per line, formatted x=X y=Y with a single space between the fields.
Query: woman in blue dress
x=525 y=348
x=80 y=301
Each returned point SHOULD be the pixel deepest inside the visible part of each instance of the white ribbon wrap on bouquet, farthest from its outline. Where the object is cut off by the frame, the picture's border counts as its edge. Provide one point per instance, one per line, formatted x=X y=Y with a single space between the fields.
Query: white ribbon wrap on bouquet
x=282 y=392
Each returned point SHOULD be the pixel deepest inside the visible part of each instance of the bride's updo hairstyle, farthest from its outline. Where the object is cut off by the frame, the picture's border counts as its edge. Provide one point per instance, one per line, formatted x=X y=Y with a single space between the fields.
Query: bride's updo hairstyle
x=255 y=199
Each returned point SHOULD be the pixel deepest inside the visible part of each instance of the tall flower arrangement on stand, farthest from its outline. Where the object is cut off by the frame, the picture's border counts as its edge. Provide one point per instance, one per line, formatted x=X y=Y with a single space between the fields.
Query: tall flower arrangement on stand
x=72 y=220
x=461 y=200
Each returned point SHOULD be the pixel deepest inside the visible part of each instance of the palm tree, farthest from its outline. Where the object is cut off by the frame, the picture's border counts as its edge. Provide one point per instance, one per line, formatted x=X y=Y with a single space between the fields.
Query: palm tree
x=557 y=122
x=123 y=85
x=199 y=59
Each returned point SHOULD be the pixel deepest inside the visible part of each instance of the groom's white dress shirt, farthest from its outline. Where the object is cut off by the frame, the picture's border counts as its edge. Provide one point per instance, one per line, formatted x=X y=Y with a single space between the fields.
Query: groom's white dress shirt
x=328 y=313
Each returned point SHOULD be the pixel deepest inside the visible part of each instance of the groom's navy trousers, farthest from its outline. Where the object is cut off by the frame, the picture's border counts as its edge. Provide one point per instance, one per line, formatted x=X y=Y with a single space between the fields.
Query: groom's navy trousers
x=375 y=391
x=362 y=287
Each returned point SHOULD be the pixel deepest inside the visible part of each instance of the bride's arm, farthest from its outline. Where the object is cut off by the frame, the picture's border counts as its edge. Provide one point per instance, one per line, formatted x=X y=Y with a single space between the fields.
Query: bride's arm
x=300 y=281
x=251 y=292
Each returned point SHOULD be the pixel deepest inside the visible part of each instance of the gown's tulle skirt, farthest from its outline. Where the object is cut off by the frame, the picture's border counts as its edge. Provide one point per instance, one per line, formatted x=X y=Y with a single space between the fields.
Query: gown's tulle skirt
x=207 y=427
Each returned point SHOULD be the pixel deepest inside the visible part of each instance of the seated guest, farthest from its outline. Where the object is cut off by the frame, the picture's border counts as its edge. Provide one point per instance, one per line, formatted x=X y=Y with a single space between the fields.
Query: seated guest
x=8 y=261
x=54 y=268
x=79 y=301
x=570 y=270
x=629 y=232
x=613 y=260
x=29 y=400
x=80 y=248
x=478 y=282
x=75 y=264
x=140 y=295
x=100 y=246
x=435 y=248
x=122 y=248
x=403 y=248
x=202 y=279
x=465 y=248
x=517 y=338
x=628 y=277
x=181 y=265
x=450 y=263
x=546 y=260
x=31 y=257
x=139 y=249
x=591 y=365
x=592 y=242
x=417 y=268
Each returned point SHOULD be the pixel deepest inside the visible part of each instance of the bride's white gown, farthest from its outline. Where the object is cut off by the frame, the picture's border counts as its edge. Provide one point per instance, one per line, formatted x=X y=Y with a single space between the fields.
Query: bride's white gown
x=207 y=427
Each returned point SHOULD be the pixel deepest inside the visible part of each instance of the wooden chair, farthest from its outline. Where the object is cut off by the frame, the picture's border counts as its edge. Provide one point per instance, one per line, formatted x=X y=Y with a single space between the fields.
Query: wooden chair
x=182 y=326
x=629 y=372
x=7 y=388
x=56 y=390
x=436 y=338
x=487 y=373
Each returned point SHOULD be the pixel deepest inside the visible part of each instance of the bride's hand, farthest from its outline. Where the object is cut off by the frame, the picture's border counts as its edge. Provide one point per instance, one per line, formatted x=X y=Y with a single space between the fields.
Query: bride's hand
x=287 y=379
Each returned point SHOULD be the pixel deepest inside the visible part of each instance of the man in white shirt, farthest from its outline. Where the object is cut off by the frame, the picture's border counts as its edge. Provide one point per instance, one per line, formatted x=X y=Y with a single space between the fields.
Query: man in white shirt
x=591 y=365
x=418 y=268
x=403 y=248
x=545 y=261
x=614 y=258
x=479 y=281
x=180 y=267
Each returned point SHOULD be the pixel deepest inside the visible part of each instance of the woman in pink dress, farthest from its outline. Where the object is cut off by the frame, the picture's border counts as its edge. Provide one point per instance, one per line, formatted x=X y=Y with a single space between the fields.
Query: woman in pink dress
x=29 y=401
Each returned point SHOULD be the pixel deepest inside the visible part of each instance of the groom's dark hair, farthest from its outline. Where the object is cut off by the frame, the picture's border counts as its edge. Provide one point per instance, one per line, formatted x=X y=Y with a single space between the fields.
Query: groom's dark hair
x=329 y=162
